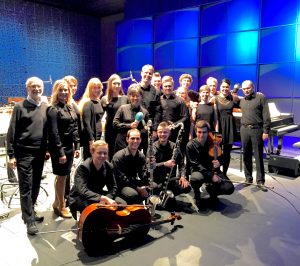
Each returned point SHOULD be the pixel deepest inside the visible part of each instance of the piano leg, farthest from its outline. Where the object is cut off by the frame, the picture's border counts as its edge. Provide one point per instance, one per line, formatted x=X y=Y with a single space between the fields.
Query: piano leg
x=271 y=145
x=279 y=145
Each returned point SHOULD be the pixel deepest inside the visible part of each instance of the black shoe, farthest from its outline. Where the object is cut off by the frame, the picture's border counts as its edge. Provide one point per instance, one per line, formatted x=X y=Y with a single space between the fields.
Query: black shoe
x=38 y=218
x=262 y=186
x=248 y=181
x=200 y=205
x=31 y=228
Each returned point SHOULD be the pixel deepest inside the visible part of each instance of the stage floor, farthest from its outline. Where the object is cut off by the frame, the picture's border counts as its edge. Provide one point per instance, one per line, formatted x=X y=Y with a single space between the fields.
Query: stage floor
x=250 y=227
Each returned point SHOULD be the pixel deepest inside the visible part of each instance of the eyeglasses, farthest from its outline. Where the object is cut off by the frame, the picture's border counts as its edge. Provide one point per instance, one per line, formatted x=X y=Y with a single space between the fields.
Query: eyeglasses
x=167 y=86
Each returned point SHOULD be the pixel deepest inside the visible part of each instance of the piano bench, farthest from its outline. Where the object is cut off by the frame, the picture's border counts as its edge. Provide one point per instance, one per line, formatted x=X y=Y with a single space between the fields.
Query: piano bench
x=297 y=145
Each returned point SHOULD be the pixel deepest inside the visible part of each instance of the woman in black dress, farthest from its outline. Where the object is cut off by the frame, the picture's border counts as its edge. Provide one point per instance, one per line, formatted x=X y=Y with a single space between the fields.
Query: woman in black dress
x=92 y=113
x=63 y=140
x=206 y=110
x=225 y=102
x=111 y=102
x=73 y=84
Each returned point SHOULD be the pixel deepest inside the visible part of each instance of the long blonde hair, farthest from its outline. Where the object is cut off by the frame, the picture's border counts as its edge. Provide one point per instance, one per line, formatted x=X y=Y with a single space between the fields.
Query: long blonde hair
x=93 y=82
x=54 y=95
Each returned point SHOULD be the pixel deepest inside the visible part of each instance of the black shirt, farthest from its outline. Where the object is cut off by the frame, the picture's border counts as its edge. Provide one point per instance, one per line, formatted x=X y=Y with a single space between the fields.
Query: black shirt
x=129 y=169
x=89 y=183
x=63 y=128
x=163 y=154
x=92 y=113
x=151 y=102
x=174 y=109
x=198 y=158
x=206 y=112
x=255 y=111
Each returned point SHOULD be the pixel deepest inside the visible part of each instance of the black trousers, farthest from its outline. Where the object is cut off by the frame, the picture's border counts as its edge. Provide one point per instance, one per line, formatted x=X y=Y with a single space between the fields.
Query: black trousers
x=225 y=187
x=252 y=143
x=173 y=186
x=30 y=163
x=131 y=195
x=226 y=157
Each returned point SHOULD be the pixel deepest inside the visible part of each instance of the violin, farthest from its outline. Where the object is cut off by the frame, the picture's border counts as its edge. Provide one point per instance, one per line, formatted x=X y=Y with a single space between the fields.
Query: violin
x=103 y=224
x=215 y=149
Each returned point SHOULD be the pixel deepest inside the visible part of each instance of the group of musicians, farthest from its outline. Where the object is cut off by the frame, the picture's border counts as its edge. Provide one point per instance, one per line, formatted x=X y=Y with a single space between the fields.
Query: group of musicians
x=151 y=143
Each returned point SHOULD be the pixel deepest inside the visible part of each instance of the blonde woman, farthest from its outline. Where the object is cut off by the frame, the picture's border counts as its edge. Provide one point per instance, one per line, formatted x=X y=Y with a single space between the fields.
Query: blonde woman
x=63 y=141
x=73 y=84
x=92 y=113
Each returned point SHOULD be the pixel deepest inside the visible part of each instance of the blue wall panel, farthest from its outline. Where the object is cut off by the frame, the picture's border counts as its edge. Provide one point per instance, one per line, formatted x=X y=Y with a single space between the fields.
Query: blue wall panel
x=242 y=48
x=277 y=80
x=214 y=19
x=173 y=25
x=213 y=50
x=297 y=82
x=237 y=74
x=243 y=15
x=175 y=54
x=206 y=72
x=275 y=13
x=133 y=32
x=278 y=44
x=134 y=57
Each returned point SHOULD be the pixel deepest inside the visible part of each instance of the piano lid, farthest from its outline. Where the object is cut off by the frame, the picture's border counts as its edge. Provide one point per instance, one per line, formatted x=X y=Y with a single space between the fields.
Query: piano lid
x=274 y=112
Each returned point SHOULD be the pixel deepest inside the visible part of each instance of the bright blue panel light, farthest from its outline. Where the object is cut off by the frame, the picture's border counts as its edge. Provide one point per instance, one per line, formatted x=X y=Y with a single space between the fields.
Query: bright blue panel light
x=298 y=43
x=133 y=32
x=243 y=15
x=242 y=48
x=278 y=44
x=134 y=57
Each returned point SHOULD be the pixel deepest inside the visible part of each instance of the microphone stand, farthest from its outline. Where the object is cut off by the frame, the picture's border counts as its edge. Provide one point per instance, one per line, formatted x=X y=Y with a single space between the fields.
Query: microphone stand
x=128 y=78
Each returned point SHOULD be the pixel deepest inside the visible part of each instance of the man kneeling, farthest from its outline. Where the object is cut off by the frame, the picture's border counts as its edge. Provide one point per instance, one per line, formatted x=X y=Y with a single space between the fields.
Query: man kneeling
x=205 y=169
x=91 y=177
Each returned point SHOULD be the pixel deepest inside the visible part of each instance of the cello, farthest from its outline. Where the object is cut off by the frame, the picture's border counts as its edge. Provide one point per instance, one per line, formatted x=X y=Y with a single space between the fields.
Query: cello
x=105 y=223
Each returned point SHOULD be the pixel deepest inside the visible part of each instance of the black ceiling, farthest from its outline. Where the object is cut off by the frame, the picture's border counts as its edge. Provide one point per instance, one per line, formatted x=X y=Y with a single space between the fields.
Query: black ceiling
x=99 y=8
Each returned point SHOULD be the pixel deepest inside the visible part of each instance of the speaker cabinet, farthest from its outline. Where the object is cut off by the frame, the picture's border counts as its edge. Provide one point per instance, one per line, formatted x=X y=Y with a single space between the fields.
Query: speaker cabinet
x=284 y=165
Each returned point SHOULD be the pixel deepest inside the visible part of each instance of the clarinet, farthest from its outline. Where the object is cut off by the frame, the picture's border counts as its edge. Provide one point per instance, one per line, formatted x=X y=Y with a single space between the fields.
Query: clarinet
x=165 y=194
x=103 y=124
x=153 y=200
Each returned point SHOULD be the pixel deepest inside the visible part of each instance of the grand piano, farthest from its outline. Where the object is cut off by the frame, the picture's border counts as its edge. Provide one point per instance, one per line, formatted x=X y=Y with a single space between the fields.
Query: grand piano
x=281 y=124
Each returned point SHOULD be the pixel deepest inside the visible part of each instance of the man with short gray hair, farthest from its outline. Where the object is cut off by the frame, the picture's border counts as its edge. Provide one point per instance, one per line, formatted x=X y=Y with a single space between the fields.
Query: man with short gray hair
x=26 y=148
